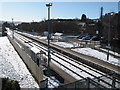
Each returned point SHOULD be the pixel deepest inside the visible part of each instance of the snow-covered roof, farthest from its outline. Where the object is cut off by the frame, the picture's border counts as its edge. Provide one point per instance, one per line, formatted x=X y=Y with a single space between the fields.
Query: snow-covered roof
x=35 y=50
x=7 y=28
x=58 y=34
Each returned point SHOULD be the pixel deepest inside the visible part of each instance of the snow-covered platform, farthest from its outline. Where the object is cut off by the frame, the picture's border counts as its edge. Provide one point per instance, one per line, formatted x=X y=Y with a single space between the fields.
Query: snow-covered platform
x=12 y=66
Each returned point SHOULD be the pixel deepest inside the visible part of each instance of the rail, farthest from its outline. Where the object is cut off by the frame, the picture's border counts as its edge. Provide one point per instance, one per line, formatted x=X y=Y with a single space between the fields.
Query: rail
x=81 y=69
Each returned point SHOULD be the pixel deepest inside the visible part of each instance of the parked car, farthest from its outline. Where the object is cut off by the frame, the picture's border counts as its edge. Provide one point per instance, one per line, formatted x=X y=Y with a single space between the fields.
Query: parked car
x=87 y=37
x=81 y=36
x=95 y=38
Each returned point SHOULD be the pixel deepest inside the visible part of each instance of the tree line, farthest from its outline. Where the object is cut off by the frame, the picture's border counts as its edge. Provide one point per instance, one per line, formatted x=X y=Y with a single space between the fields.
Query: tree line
x=77 y=26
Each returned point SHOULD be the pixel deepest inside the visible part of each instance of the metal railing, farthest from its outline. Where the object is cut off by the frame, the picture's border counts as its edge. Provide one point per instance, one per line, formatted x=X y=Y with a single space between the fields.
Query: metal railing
x=86 y=83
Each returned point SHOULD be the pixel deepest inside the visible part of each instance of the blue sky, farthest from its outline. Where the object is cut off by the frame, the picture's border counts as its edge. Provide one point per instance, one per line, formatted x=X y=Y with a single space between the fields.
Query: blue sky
x=37 y=11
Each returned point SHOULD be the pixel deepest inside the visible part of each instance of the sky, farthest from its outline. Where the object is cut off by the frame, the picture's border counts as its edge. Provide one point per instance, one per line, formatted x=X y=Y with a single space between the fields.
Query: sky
x=37 y=11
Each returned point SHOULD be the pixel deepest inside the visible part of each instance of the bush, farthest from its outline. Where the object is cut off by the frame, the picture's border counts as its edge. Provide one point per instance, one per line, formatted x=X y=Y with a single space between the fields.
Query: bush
x=8 y=84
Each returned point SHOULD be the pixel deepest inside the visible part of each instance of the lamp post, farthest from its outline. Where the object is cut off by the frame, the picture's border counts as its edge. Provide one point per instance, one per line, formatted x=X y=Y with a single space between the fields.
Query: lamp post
x=32 y=27
x=101 y=24
x=12 y=29
x=109 y=35
x=49 y=37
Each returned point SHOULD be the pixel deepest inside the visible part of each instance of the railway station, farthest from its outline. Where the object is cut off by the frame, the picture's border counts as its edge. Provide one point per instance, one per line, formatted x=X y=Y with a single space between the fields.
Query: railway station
x=71 y=69
x=60 y=53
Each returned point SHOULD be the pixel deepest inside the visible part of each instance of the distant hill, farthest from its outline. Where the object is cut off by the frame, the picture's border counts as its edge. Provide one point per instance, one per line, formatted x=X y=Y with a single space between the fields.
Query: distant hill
x=15 y=22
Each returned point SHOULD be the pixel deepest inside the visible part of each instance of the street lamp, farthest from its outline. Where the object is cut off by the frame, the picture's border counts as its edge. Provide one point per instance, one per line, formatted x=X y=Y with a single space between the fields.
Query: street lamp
x=12 y=29
x=49 y=37
x=32 y=27
x=109 y=35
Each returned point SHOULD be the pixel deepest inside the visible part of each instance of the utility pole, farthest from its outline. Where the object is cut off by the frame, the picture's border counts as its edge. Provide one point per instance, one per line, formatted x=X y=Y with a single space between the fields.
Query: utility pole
x=49 y=37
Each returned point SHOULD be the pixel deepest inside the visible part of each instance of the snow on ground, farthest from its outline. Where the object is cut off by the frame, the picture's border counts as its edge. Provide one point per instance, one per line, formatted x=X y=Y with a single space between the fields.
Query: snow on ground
x=41 y=37
x=78 y=71
x=92 y=52
x=12 y=66
x=33 y=35
x=97 y=54
x=114 y=53
x=52 y=82
x=86 y=51
x=66 y=44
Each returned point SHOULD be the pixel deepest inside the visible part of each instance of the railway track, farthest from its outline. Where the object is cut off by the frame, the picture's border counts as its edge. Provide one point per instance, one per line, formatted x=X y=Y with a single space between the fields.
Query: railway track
x=91 y=61
x=61 y=59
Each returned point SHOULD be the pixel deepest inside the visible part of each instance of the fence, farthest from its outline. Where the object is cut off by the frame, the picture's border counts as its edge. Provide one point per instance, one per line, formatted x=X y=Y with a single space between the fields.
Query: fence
x=95 y=83
x=84 y=84
x=82 y=43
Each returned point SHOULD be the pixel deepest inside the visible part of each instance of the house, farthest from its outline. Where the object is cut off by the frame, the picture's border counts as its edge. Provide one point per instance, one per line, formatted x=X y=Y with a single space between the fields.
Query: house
x=57 y=36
